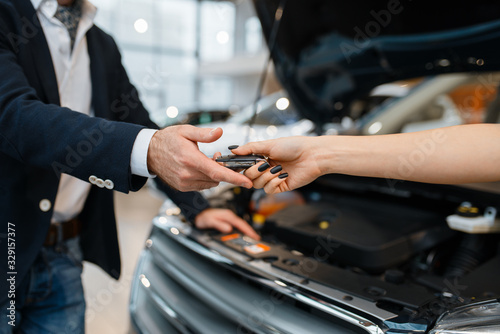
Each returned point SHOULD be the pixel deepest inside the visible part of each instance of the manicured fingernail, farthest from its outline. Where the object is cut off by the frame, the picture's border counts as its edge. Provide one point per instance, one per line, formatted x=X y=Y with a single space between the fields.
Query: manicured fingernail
x=276 y=169
x=263 y=167
x=233 y=147
x=282 y=176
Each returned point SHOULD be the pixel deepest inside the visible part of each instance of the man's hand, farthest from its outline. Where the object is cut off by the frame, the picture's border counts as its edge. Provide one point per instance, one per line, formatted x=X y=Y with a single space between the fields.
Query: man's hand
x=173 y=156
x=224 y=220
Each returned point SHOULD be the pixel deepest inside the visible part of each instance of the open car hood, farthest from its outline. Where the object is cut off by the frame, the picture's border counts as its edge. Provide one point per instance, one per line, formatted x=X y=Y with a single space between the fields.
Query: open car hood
x=328 y=52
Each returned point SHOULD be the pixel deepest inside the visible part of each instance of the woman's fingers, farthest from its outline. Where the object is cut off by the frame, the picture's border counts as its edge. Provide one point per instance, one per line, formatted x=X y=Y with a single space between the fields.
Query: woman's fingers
x=256 y=171
x=276 y=185
x=271 y=178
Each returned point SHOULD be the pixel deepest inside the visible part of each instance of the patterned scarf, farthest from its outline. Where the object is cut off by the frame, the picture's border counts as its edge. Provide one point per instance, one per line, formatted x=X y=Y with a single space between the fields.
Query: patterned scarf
x=70 y=16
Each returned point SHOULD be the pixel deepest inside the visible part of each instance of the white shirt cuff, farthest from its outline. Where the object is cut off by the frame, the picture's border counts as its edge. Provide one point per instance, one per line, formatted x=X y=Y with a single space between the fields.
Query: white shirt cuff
x=139 y=158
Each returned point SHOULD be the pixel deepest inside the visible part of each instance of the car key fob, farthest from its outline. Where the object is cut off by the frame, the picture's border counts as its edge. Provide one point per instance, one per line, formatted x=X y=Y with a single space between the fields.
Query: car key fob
x=239 y=162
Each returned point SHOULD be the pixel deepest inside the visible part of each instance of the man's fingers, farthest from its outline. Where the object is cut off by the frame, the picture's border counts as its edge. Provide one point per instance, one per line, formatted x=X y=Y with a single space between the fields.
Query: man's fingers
x=206 y=185
x=216 y=155
x=196 y=185
x=222 y=174
x=261 y=147
x=202 y=135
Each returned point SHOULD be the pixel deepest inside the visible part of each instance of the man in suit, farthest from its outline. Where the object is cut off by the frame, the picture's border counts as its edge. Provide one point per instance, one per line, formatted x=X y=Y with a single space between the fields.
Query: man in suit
x=72 y=129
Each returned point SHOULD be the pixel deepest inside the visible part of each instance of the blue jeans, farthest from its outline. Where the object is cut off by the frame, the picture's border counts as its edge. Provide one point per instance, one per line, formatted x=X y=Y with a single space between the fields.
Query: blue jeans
x=54 y=301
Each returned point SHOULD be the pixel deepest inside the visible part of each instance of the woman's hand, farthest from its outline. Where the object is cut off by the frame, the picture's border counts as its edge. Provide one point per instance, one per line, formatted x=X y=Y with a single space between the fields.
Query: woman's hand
x=291 y=163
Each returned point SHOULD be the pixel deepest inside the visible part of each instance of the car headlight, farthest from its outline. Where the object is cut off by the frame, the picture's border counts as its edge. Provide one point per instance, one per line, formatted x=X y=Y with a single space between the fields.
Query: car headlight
x=471 y=319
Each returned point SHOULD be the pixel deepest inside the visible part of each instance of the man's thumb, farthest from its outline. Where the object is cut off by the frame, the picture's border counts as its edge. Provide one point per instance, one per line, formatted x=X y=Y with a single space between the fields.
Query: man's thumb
x=202 y=135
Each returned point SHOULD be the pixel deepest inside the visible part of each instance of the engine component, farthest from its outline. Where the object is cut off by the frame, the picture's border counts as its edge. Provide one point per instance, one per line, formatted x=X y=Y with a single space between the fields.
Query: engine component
x=365 y=233
x=468 y=219
x=474 y=249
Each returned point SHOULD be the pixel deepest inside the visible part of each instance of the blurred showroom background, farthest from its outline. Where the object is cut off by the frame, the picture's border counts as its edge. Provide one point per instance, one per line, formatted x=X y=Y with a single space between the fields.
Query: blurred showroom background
x=183 y=56
x=188 y=55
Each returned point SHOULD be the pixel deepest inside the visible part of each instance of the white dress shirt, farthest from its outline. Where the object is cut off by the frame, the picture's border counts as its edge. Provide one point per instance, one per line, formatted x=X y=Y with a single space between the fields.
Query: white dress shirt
x=75 y=91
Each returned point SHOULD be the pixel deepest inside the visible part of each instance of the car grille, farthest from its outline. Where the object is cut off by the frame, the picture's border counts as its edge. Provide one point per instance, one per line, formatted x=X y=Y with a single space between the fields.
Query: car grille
x=176 y=289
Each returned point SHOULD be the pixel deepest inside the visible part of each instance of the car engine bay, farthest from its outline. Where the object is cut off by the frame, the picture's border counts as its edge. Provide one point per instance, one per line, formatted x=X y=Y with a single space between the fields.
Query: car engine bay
x=385 y=241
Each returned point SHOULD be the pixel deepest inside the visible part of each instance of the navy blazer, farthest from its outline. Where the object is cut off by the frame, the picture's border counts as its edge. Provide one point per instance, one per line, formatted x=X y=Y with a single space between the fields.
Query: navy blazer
x=39 y=140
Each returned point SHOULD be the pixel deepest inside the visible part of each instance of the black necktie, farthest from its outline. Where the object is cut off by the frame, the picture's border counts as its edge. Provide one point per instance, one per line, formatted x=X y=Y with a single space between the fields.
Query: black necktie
x=70 y=17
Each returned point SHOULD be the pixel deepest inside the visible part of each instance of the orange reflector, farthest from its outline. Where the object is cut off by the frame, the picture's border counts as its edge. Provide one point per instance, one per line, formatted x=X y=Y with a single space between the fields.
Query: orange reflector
x=230 y=237
x=256 y=249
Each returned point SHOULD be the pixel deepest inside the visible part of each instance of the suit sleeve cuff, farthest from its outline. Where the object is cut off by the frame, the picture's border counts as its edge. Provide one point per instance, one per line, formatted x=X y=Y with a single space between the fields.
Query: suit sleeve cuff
x=139 y=158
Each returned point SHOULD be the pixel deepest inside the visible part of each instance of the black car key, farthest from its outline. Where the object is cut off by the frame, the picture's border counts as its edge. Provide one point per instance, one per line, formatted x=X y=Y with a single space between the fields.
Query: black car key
x=240 y=162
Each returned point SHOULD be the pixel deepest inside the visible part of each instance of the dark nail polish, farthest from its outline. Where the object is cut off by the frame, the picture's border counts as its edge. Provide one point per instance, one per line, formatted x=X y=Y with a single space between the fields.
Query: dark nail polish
x=233 y=147
x=263 y=167
x=276 y=169
x=282 y=176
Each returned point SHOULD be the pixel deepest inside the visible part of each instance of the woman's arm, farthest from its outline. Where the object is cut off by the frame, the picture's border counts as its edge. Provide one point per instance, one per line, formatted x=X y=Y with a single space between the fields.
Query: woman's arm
x=452 y=155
